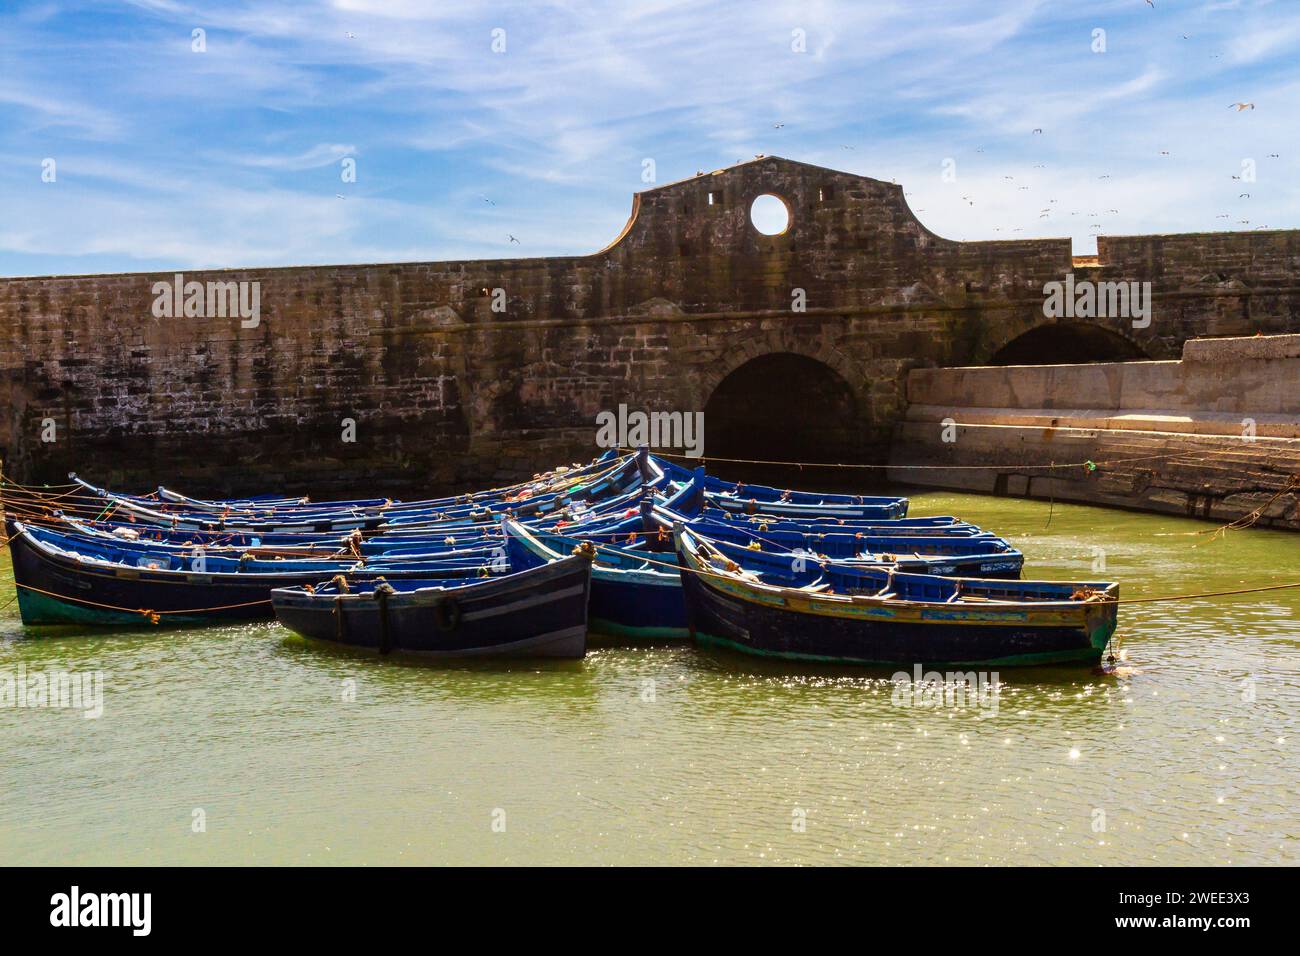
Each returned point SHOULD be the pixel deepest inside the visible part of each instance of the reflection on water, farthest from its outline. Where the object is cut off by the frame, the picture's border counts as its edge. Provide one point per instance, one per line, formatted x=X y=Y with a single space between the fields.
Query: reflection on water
x=302 y=753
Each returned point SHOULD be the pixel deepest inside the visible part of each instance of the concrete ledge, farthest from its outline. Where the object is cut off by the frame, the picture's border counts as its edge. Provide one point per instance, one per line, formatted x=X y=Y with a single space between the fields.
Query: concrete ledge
x=1226 y=424
x=1253 y=347
x=1251 y=377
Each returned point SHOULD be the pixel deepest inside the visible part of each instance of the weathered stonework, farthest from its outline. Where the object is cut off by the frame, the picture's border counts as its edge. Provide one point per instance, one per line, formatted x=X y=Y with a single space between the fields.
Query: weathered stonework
x=445 y=392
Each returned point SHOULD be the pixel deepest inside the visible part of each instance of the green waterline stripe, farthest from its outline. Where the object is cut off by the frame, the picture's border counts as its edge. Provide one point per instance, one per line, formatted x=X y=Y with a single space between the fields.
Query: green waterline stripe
x=40 y=609
x=606 y=626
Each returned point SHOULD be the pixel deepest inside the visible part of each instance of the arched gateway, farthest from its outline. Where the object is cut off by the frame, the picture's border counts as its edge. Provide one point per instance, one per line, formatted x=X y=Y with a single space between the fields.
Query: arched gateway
x=782 y=407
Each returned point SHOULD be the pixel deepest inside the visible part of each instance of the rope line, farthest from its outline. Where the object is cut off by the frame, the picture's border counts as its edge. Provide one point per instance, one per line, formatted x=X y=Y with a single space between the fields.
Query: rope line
x=1146 y=600
x=831 y=464
x=137 y=610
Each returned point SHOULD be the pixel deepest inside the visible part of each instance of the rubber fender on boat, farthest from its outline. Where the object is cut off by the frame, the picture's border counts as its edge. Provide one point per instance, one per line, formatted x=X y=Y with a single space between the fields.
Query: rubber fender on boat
x=385 y=635
x=446 y=615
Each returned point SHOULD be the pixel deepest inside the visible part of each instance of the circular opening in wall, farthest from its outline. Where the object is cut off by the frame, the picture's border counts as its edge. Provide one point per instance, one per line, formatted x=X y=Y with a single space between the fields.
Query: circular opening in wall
x=770 y=215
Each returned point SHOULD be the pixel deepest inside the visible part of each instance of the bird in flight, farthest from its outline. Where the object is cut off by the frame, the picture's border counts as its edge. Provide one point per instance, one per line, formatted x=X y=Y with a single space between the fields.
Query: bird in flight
x=486 y=200
x=1241 y=106
x=350 y=35
x=777 y=125
x=1038 y=130
x=513 y=239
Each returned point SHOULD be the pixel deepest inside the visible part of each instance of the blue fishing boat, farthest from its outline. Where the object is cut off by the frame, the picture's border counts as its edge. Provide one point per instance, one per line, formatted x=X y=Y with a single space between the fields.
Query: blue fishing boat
x=537 y=612
x=941 y=524
x=616 y=477
x=742 y=498
x=979 y=557
x=869 y=616
x=61 y=579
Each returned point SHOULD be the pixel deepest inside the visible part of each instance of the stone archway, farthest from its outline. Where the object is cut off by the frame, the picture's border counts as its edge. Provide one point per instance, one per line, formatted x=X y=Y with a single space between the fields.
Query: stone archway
x=1068 y=343
x=784 y=407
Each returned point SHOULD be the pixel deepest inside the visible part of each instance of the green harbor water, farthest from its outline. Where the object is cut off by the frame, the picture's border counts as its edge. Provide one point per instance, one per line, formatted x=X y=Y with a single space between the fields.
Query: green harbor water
x=666 y=755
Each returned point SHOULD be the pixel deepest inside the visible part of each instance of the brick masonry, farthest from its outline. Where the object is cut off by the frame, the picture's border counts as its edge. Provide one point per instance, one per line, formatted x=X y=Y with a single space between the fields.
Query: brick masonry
x=447 y=393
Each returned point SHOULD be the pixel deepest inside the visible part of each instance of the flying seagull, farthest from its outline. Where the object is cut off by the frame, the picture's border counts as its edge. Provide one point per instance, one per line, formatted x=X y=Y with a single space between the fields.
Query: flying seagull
x=513 y=239
x=1241 y=106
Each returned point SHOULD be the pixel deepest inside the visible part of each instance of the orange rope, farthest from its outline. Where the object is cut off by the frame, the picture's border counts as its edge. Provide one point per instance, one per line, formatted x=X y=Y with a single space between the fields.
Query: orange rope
x=139 y=610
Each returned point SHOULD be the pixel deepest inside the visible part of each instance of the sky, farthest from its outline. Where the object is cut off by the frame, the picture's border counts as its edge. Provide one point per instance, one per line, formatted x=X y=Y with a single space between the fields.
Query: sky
x=499 y=129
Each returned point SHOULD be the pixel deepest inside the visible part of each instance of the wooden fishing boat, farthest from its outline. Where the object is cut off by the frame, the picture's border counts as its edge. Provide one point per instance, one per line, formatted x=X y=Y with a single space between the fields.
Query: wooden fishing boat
x=61 y=580
x=617 y=478
x=635 y=594
x=982 y=557
x=537 y=612
x=541 y=483
x=845 y=615
x=744 y=498
x=930 y=525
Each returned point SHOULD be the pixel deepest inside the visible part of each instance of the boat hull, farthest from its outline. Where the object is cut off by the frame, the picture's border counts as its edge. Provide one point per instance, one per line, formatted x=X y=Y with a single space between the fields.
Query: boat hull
x=637 y=609
x=54 y=587
x=541 y=612
x=735 y=616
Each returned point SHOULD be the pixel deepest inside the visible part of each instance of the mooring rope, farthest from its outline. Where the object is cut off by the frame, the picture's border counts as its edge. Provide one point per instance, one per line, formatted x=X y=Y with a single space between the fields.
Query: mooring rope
x=1089 y=464
x=1144 y=600
x=146 y=612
